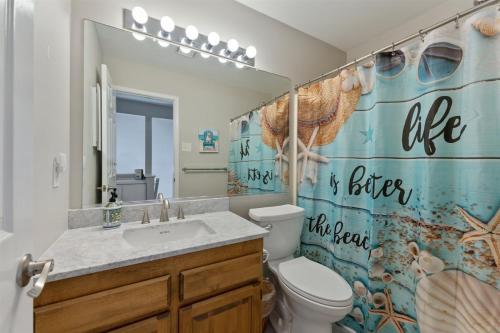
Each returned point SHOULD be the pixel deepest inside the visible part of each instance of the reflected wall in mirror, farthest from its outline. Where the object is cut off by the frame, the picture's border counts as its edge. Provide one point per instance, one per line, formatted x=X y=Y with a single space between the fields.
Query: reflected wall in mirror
x=148 y=108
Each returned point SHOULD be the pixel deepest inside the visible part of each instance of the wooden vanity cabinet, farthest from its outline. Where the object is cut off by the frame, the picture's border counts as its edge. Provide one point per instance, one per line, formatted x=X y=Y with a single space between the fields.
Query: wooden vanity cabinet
x=156 y=324
x=233 y=311
x=216 y=290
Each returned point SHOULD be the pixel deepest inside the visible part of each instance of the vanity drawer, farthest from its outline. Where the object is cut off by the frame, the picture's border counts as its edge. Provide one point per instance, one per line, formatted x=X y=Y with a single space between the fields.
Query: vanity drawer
x=106 y=309
x=156 y=324
x=211 y=279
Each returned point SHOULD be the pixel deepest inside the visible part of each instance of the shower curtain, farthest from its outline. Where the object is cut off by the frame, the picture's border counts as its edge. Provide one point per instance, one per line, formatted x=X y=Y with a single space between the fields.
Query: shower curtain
x=399 y=175
x=258 y=161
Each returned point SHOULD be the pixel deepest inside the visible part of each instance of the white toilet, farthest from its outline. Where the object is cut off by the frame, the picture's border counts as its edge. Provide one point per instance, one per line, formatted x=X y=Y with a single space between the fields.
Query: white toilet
x=315 y=295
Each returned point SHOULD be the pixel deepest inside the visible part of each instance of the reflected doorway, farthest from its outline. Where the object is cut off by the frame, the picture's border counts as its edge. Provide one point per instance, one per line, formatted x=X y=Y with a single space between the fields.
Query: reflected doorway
x=145 y=145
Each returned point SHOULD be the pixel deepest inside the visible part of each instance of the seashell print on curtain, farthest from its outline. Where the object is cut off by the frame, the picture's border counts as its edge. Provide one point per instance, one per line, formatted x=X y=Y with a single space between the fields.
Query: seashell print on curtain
x=399 y=175
x=258 y=153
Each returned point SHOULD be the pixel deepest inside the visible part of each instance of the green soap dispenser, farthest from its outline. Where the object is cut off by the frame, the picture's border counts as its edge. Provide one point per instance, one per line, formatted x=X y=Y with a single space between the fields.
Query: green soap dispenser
x=112 y=212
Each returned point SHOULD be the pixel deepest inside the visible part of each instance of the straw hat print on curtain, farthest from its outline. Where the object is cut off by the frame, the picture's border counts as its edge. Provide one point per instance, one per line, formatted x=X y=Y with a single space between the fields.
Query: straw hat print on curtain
x=274 y=123
x=324 y=107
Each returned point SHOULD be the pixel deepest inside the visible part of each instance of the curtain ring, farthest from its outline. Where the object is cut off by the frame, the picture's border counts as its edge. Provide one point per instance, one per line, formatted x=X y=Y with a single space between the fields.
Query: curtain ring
x=393 y=50
x=422 y=36
x=457 y=23
x=355 y=63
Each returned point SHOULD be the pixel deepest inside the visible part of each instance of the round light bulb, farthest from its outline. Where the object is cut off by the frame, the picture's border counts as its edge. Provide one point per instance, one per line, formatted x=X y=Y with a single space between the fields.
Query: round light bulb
x=138 y=36
x=251 y=52
x=167 y=24
x=239 y=65
x=139 y=15
x=184 y=49
x=213 y=39
x=222 y=53
x=163 y=43
x=232 y=45
x=191 y=32
x=203 y=54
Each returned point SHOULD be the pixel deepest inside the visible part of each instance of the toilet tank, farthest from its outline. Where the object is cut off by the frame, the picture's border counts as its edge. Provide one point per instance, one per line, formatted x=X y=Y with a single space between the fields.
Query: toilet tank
x=284 y=224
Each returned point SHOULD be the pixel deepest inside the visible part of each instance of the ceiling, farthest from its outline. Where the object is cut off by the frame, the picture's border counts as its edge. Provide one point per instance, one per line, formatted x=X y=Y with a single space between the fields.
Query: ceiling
x=120 y=44
x=342 y=23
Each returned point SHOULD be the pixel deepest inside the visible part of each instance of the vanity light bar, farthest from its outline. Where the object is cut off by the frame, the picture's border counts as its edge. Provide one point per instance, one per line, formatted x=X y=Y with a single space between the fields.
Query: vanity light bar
x=188 y=39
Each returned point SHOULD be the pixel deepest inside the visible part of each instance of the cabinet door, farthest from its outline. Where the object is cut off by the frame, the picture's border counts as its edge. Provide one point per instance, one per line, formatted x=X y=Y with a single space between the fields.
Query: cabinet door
x=157 y=324
x=237 y=311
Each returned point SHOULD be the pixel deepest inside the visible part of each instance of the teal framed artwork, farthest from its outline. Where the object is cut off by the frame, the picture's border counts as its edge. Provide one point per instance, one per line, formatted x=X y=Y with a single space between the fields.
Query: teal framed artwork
x=209 y=140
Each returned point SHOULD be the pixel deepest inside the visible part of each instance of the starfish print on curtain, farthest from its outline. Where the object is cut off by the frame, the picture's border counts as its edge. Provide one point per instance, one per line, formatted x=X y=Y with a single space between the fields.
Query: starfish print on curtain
x=309 y=158
x=280 y=158
x=485 y=232
x=389 y=316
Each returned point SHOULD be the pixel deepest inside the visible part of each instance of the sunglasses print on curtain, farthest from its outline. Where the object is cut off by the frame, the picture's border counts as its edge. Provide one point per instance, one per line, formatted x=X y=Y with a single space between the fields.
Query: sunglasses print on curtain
x=258 y=154
x=437 y=62
x=400 y=190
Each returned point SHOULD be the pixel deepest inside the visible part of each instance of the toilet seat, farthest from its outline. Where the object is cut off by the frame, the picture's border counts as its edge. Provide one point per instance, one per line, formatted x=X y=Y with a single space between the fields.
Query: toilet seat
x=315 y=282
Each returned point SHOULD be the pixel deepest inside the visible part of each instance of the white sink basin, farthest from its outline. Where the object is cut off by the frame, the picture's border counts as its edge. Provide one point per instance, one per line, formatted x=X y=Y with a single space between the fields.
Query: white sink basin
x=167 y=232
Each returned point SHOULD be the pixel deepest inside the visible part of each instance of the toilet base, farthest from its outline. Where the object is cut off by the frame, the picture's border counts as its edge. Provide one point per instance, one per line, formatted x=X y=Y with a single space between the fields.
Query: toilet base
x=301 y=324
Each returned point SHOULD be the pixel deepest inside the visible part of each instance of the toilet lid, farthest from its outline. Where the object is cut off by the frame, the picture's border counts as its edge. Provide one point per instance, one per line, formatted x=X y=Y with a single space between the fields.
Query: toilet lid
x=275 y=213
x=315 y=282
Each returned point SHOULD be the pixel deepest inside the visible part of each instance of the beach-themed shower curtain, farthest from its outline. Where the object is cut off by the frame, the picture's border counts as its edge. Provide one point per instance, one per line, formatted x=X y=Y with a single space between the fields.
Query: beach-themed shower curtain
x=399 y=171
x=258 y=161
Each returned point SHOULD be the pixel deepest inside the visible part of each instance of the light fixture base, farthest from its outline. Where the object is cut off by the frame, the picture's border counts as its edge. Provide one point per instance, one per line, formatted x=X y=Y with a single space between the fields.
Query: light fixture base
x=153 y=26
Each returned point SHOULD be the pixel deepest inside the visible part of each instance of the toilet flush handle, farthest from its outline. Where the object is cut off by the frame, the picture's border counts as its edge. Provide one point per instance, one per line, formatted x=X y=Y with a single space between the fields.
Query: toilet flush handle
x=268 y=227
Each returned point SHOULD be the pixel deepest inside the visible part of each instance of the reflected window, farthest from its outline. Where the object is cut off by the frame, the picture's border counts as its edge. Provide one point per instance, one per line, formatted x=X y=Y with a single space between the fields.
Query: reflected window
x=162 y=164
x=130 y=143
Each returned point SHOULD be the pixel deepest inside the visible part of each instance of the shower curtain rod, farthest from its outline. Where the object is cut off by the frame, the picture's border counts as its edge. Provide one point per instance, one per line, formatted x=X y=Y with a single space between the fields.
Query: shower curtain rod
x=264 y=103
x=420 y=33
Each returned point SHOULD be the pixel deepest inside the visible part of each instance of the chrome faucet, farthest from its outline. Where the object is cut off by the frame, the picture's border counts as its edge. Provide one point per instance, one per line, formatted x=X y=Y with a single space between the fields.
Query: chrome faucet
x=180 y=213
x=165 y=205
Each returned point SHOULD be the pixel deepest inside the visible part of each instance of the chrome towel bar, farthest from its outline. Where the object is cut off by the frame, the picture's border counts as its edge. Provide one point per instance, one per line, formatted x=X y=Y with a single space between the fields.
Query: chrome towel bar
x=198 y=170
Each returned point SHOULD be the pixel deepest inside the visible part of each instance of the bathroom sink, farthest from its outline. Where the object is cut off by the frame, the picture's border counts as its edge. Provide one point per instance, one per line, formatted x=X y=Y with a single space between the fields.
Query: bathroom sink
x=168 y=232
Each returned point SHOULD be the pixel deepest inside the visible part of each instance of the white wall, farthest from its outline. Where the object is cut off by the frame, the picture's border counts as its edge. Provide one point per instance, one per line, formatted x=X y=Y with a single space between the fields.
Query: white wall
x=281 y=49
x=51 y=113
x=438 y=13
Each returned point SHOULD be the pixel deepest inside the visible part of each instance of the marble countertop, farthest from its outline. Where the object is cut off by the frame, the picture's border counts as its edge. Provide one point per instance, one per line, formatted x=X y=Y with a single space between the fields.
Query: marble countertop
x=88 y=250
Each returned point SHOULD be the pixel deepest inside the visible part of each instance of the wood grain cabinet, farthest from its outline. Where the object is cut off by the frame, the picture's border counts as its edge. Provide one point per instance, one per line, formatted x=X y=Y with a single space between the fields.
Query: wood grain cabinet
x=216 y=290
x=234 y=311
x=156 y=324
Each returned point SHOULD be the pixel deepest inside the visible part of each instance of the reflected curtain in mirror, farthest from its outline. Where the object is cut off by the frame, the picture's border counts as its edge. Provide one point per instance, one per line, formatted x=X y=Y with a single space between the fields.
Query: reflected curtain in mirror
x=258 y=156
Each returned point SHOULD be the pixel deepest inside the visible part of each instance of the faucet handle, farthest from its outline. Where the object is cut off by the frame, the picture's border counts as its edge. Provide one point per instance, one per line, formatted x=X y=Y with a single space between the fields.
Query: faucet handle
x=180 y=213
x=145 y=217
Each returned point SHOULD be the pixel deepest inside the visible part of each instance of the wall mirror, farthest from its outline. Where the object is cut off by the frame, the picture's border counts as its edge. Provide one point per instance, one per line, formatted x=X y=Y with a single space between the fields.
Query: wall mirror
x=158 y=119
